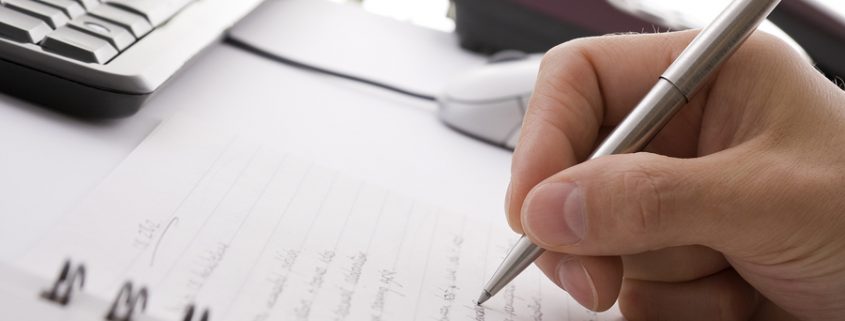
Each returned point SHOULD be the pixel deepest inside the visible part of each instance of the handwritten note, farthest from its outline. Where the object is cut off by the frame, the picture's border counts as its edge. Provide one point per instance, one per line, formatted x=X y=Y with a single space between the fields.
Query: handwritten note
x=204 y=216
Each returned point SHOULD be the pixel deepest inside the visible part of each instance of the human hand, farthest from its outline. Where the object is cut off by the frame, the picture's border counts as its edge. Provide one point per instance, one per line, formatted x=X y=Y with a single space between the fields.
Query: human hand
x=735 y=211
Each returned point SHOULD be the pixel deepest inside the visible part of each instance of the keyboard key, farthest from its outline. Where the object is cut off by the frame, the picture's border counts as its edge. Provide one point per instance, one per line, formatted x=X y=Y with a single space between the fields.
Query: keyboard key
x=88 y=4
x=156 y=11
x=21 y=27
x=78 y=45
x=135 y=23
x=118 y=36
x=52 y=16
x=71 y=8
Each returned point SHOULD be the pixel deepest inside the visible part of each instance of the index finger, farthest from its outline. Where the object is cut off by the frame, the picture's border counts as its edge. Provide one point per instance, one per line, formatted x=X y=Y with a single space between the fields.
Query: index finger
x=584 y=86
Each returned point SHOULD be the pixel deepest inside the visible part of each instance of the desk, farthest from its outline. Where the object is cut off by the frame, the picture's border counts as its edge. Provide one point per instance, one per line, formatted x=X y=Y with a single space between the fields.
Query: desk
x=50 y=161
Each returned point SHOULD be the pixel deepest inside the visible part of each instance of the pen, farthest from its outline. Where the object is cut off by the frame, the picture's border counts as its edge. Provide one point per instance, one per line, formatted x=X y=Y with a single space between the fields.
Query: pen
x=715 y=44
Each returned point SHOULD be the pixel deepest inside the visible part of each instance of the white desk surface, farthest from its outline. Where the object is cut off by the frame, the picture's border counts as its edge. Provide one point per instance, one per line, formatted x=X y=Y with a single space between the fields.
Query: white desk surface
x=49 y=161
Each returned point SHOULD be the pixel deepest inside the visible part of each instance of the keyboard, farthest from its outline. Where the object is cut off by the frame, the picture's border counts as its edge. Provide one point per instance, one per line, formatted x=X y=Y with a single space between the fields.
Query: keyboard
x=104 y=59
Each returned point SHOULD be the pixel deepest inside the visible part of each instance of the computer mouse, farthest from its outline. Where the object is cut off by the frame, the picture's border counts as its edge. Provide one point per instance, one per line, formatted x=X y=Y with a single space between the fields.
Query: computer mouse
x=489 y=102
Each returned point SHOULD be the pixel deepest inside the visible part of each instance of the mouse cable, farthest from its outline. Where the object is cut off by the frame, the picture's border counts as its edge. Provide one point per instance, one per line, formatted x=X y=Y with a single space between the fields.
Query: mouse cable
x=304 y=66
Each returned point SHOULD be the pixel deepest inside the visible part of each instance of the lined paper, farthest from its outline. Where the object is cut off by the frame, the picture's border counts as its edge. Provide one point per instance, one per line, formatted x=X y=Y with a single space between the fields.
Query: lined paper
x=204 y=216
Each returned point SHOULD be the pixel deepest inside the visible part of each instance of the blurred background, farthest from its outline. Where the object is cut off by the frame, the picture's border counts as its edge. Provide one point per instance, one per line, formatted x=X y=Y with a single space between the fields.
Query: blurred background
x=439 y=14
x=435 y=14
x=814 y=27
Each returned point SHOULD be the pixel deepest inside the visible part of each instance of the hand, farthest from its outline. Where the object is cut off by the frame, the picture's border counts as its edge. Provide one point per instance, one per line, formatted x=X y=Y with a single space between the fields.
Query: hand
x=736 y=211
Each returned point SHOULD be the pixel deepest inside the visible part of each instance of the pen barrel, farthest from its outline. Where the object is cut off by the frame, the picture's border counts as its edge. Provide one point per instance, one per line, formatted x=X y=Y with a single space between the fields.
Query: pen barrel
x=707 y=51
x=520 y=257
x=716 y=43
x=673 y=90
x=644 y=121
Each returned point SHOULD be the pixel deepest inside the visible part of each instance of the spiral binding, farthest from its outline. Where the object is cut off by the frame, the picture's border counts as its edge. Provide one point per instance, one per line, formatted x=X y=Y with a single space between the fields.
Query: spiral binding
x=125 y=304
x=189 y=314
x=129 y=302
x=62 y=290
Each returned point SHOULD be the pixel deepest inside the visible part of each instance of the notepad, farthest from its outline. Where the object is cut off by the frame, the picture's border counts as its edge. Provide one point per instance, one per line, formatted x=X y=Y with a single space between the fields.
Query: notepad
x=207 y=217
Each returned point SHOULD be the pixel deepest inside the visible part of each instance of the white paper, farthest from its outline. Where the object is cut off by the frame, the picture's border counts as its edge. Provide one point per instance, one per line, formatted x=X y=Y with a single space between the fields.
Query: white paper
x=199 y=215
x=49 y=162
x=347 y=39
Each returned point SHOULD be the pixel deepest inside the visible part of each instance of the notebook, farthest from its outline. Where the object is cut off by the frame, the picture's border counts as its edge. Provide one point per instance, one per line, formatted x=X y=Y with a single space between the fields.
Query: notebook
x=199 y=223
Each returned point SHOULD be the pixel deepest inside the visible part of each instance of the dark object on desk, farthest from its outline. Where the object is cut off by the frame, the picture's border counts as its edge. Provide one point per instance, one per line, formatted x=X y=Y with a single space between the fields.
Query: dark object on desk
x=490 y=26
x=820 y=31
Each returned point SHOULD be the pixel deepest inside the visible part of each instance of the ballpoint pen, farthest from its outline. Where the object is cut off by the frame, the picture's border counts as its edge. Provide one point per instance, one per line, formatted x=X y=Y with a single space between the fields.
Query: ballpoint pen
x=713 y=45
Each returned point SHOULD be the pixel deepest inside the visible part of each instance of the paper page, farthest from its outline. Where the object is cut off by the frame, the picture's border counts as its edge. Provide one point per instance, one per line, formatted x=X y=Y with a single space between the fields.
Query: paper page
x=43 y=148
x=202 y=216
x=374 y=47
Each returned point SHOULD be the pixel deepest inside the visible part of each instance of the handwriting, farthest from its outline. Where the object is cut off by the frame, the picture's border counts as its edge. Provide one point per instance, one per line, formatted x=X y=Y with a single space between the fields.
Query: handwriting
x=306 y=244
x=449 y=293
x=387 y=285
x=347 y=291
x=304 y=309
x=480 y=312
x=510 y=311
x=172 y=222
x=536 y=307
x=287 y=259
x=145 y=233
x=278 y=281
x=354 y=273
x=199 y=277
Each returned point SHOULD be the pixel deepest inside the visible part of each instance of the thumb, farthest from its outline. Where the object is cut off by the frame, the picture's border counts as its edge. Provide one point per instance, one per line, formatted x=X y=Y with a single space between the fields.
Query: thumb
x=626 y=204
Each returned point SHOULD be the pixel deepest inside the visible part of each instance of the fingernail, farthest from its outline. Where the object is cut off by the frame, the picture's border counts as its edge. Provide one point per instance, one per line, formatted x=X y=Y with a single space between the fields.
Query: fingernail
x=555 y=214
x=575 y=280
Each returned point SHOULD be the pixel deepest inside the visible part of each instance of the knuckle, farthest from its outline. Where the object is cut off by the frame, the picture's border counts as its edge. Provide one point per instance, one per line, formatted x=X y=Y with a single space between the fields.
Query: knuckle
x=563 y=52
x=554 y=56
x=769 y=42
x=765 y=47
x=553 y=61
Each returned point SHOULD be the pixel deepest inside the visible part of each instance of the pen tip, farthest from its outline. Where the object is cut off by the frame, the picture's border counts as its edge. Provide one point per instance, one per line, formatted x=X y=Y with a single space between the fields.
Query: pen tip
x=484 y=297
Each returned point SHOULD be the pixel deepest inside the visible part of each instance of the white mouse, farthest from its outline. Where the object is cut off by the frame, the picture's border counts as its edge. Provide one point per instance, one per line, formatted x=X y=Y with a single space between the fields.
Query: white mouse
x=489 y=102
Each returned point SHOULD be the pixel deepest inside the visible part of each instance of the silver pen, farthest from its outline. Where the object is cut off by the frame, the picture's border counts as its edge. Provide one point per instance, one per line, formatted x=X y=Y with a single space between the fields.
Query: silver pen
x=715 y=44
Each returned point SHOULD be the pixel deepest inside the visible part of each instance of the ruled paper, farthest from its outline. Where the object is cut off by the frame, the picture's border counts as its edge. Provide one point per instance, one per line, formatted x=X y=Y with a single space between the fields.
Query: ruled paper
x=204 y=216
